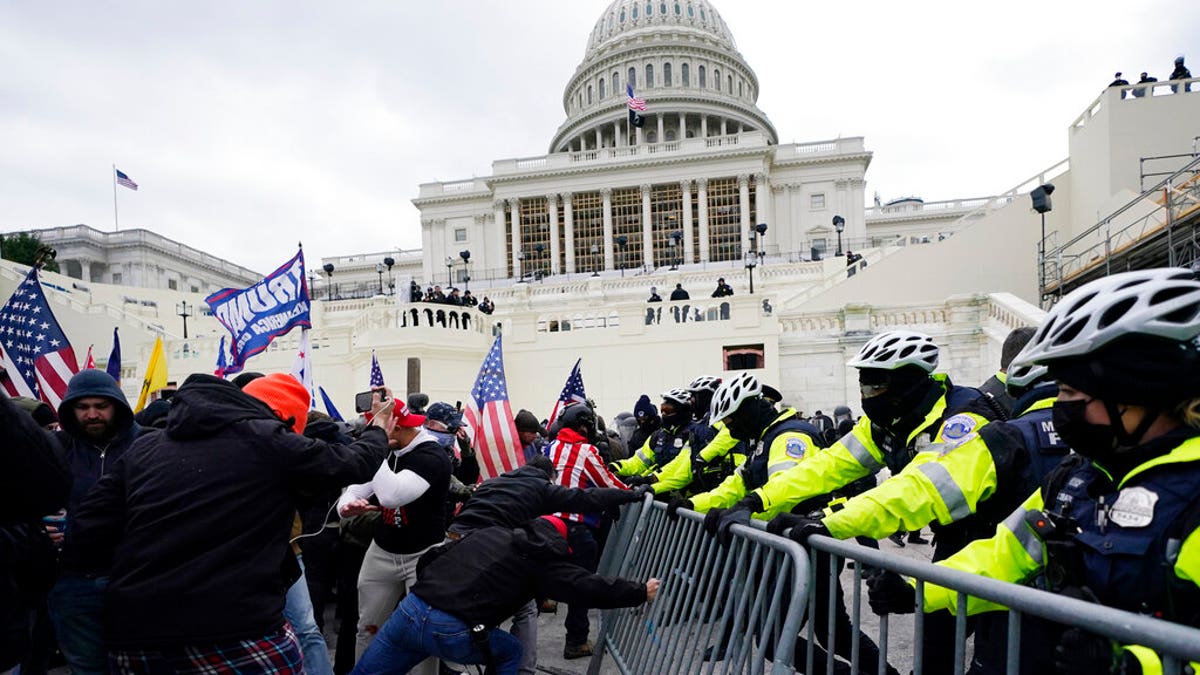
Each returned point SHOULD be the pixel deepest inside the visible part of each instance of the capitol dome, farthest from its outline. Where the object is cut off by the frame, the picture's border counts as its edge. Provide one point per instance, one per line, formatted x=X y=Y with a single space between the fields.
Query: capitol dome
x=680 y=57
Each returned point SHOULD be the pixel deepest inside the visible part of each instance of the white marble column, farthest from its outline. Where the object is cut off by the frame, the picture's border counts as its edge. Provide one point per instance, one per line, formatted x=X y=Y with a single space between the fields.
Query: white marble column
x=686 y=199
x=499 y=263
x=569 y=230
x=724 y=127
x=766 y=207
x=660 y=136
x=599 y=140
x=606 y=193
x=617 y=137
x=514 y=205
x=552 y=212
x=744 y=202
x=682 y=133
x=647 y=229
x=702 y=198
x=426 y=254
x=703 y=125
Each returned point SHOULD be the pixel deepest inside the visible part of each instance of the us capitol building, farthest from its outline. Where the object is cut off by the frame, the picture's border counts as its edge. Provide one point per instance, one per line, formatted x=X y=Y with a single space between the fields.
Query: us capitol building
x=567 y=245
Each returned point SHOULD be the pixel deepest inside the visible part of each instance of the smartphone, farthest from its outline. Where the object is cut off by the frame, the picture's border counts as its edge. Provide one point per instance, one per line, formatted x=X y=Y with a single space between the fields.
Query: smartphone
x=363 y=399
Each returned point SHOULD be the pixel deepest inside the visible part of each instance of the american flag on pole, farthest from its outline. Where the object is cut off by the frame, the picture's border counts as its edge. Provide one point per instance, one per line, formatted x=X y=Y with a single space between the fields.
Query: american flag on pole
x=302 y=368
x=34 y=351
x=572 y=392
x=123 y=179
x=490 y=415
x=376 y=373
x=634 y=102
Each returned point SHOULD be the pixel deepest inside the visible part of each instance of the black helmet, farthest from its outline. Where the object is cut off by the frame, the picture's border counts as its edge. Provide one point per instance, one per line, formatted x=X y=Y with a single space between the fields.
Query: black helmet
x=578 y=417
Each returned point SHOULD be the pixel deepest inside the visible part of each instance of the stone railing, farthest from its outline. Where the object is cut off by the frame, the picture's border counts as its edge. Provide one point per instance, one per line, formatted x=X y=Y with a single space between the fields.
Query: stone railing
x=150 y=239
x=1001 y=310
x=562 y=160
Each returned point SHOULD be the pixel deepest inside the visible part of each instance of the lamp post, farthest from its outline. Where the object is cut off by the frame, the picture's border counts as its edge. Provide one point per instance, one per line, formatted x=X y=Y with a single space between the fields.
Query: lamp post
x=312 y=284
x=673 y=245
x=517 y=266
x=621 y=243
x=379 y=271
x=839 y=224
x=751 y=262
x=184 y=310
x=1040 y=197
x=328 y=267
x=389 y=261
x=466 y=258
x=760 y=230
x=595 y=250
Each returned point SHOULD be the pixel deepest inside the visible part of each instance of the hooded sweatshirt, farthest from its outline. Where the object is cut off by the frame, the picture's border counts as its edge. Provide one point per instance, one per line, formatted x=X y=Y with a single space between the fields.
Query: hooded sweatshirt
x=194 y=519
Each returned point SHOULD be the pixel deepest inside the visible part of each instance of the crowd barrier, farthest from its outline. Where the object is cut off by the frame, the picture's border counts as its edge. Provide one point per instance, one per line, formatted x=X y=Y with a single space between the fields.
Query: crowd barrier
x=720 y=609
x=736 y=603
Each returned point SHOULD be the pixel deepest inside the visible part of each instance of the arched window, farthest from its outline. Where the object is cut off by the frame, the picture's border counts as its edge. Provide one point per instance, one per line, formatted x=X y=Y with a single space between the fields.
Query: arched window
x=717 y=79
x=700 y=70
x=691 y=11
x=602 y=92
x=633 y=77
x=589 y=94
x=666 y=74
x=740 y=83
x=685 y=76
x=616 y=84
x=649 y=75
x=622 y=16
x=635 y=11
x=729 y=79
x=649 y=8
x=662 y=8
x=677 y=9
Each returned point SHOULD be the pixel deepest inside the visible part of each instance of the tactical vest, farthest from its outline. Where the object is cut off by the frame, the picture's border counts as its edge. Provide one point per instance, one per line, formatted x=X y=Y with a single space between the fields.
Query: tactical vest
x=897 y=454
x=757 y=465
x=1128 y=539
x=667 y=445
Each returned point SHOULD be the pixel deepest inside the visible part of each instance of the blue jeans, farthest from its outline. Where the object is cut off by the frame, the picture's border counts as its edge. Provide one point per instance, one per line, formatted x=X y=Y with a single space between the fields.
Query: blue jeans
x=416 y=631
x=298 y=611
x=75 y=604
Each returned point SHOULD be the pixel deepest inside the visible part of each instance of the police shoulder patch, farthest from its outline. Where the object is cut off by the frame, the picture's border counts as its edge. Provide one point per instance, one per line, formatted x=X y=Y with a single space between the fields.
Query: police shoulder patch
x=957 y=427
x=796 y=448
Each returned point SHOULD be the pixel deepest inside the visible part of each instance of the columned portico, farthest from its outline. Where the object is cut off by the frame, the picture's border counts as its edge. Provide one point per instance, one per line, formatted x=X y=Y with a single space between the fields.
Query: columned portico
x=702 y=197
x=744 y=203
x=606 y=194
x=685 y=187
x=498 y=260
x=647 y=229
x=552 y=213
x=514 y=205
x=569 y=228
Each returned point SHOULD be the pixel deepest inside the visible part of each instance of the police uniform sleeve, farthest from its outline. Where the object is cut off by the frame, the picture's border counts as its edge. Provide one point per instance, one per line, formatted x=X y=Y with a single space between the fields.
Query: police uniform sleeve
x=728 y=493
x=1015 y=553
x=944 y=483
x=638 y=464
x=719 y=446
x=855 y=455
x=676 y=475
x=1187 y=568
x=789 y=450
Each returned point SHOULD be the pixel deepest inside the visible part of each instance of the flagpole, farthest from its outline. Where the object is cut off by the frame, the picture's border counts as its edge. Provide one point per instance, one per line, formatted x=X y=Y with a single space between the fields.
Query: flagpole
x=116 y=218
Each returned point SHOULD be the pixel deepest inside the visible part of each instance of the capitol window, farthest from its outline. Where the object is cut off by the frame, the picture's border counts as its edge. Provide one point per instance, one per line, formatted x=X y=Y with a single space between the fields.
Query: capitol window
x=717 y=79
x=460 y=234
x=685 y=75
x=602 y=92
x=649 y=8
x=662 y=8
x=633 y=77
x=691 y=11
x=730 y=80
x=666 y=74
x=649 y=75
x=817 y=200
x=622 y=16
x=635 y=11
x=703 y=84
x=677 y=9
x=589 y=95
x=616 y=83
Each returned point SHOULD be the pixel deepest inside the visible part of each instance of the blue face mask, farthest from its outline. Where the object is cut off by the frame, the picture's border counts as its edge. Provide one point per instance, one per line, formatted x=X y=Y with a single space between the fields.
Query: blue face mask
x=444 y=438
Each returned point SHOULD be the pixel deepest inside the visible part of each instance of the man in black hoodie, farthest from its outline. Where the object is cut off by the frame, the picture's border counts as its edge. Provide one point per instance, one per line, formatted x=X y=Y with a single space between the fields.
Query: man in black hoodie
x=193 y=523
x=466 y=588
x=97 y=427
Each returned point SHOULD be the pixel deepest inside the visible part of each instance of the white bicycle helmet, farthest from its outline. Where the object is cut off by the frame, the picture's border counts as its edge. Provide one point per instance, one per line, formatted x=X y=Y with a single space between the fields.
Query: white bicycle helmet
x=678 y=396
x=731 y=394
x=896 y=349
x=704 y=383
x=1161 y=303
x=1024 y=375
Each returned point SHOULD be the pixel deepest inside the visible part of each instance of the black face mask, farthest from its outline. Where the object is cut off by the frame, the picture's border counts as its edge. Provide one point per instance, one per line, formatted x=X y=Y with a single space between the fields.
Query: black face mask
x=676 y=419
x=889 y=406
x=1094 y=441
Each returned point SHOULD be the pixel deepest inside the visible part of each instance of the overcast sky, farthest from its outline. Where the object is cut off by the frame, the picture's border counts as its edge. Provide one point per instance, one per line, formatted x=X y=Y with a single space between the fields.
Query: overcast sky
x=252 y=125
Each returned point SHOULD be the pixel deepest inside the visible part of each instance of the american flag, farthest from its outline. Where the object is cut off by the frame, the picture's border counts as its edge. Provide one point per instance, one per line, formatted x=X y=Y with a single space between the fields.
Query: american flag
x=376 y=373
x=489 y=413
x=302 y=368
x=125 y=180
x=34 y=351
x=634 y=102
x=572 y=392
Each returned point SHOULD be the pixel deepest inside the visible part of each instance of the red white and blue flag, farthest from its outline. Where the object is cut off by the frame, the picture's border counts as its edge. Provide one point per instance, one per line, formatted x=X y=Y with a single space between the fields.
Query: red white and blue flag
x=34 y=351
x=634 y=102
x=376 y=373
x=490 y=415
x=572 y=392
x=123 y=179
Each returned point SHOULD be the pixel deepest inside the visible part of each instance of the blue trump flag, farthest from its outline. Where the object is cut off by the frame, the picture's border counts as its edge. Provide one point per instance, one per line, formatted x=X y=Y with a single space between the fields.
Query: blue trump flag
x=263 y=312
x=114 y=359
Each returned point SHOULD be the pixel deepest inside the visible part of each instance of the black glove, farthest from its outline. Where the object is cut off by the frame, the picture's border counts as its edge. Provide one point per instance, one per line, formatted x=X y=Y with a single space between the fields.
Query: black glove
x=711 y=519
x=677 y=503
x=1080 y=651
x=782 y=522
x=635 y=481
x=806 y=527
x=636 y=493
x=889 y=593
x=731 y=517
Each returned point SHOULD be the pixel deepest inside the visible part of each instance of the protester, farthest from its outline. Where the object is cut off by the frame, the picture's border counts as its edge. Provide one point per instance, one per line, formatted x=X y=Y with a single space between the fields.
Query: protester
x=648 y=421
x=194 y=520
x=469 y=300
x=679 y=293
x=445 y=422
x=97 y=428
x=996 y=385
x=654 y=296
x=486 y=306
x=1180 y=73
x=1145 y=79
x=466 y=588
x=531 y=434
x=410 y=489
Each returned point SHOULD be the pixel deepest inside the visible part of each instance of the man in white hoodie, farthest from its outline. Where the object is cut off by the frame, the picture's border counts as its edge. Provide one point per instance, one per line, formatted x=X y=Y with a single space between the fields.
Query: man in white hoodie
x=409 y=490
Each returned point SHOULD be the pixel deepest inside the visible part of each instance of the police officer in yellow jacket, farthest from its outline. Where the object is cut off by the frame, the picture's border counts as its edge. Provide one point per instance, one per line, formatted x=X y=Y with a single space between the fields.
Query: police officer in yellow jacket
x=664 y=444
x=714 y=452
x=950 y=468
x=1118 y=521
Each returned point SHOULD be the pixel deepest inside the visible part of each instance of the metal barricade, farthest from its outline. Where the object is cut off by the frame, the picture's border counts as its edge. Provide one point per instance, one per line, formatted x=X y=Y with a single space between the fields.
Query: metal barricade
x=731 y=608
x=1175 y=643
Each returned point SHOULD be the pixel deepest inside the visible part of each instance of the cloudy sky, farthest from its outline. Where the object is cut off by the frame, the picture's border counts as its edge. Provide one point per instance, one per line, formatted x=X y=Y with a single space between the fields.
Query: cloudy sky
x=252 y=125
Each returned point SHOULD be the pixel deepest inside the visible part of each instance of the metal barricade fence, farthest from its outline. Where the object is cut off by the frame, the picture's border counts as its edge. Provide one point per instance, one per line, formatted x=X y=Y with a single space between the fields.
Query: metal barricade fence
x=730 y=608
x=1176 y=644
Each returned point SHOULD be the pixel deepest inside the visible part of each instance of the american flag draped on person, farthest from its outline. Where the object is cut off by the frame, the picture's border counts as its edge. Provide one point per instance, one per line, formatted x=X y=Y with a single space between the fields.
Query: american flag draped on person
x=490 y=415
x=572 y=392
x=34 y=352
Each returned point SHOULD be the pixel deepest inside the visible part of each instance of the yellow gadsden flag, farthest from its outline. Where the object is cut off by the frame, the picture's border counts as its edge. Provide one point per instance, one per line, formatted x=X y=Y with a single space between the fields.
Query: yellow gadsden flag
x=156 y=374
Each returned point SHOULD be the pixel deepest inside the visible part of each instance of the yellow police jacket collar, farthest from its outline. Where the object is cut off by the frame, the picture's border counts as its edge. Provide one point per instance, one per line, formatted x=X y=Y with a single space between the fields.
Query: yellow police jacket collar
x=1187 y=451
x=790 y=412
x=938 y=409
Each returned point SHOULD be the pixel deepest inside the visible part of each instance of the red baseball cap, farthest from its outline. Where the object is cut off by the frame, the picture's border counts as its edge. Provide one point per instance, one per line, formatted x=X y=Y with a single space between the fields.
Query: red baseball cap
x=404 y=418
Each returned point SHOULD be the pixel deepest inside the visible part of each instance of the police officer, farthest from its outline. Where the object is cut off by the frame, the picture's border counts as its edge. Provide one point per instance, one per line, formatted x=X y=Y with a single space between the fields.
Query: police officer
x=664 y=444
x=950 y=468
x=1123 y=350
x=713 y=451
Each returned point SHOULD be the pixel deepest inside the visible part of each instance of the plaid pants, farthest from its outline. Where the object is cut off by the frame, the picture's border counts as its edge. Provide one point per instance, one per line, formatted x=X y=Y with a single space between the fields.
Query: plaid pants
x=278 y=652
